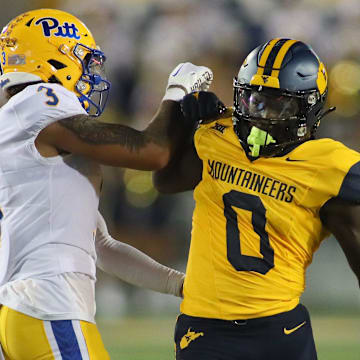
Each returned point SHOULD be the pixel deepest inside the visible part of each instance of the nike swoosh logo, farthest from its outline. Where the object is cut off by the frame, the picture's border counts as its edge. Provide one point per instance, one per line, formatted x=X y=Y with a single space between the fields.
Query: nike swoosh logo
x=178 y=70
x=290 y=331
x=288 y=159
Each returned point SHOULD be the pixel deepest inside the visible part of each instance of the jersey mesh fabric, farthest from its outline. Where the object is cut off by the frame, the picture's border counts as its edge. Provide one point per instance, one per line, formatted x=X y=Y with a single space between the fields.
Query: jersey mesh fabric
x=256 y=223
x=49 y=205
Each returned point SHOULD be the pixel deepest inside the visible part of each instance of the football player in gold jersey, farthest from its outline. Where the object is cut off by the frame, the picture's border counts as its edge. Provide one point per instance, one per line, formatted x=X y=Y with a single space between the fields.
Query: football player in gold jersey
x=266 y=194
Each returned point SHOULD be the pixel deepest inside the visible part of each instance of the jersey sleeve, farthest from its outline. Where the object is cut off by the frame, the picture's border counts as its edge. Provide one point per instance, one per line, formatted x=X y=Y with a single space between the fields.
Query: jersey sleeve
x=344 y=171
x=216 y=128
x=350 y=187
x=40 y=105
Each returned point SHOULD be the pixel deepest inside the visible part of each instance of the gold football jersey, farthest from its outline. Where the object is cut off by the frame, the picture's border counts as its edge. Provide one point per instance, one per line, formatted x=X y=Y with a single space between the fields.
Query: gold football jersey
x=256 y=223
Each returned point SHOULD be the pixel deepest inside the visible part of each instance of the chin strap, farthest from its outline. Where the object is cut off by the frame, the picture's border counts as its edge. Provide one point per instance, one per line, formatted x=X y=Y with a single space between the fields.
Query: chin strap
x=258 y=138
x=328 y=111
x=321 y=115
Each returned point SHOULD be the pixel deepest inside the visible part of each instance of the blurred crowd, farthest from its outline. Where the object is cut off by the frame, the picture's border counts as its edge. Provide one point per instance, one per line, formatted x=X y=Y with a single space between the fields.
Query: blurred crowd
x=145 y=39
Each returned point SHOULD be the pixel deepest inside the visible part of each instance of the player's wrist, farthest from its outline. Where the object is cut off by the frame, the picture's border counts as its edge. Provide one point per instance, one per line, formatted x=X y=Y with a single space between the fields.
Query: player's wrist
x=175 y=283
x=175 y=93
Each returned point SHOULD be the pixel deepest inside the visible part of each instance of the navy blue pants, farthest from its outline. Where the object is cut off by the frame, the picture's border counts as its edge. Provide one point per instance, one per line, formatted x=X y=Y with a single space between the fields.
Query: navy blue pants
x=285 y=336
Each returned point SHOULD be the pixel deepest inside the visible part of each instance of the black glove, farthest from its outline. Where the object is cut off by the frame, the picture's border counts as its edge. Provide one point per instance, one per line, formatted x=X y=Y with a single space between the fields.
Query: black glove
x=202 y=106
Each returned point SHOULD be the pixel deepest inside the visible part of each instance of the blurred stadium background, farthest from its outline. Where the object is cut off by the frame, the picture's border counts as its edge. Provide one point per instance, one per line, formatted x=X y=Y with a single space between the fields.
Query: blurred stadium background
x=144 y=40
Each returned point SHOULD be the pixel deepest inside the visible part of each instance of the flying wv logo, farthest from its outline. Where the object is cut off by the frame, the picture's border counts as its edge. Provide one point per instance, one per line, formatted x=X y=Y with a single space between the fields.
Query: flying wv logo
x=50 y=25
x=189 y=337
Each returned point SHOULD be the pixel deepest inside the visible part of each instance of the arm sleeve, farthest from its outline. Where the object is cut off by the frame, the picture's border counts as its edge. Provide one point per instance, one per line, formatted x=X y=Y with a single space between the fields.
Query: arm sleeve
x=133 y=266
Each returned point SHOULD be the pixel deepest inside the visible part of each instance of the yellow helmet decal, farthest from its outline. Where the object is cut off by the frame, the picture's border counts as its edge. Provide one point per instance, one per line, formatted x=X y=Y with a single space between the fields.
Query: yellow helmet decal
x=265 y=80
x=321 y=80
x=52 y=27
x=271 y=59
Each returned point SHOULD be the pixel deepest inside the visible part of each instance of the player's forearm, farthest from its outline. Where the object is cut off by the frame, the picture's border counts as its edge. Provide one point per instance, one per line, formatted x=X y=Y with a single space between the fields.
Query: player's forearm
x=352 y=250
x=170 y=179
x=133 y=266
x=120 y=145
x=342 y=219
x=169 y=127
x=166 y=180
x=149 y=157
x=352 y=253
x=95 y=132
x=183 y=172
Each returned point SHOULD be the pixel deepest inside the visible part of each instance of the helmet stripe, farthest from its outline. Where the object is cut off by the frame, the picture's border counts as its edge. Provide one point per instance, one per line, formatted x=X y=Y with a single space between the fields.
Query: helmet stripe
x=280 y=57
x=265 y=55
x=272 y=56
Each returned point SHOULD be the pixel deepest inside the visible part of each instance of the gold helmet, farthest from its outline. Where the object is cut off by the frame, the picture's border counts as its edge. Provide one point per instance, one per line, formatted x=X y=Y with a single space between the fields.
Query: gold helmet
x=48 y=45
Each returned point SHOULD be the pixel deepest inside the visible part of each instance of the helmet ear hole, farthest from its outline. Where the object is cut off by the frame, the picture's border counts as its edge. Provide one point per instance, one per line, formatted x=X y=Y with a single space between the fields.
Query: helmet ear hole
x=57 y=64
x=87 y=59
x=54 y=80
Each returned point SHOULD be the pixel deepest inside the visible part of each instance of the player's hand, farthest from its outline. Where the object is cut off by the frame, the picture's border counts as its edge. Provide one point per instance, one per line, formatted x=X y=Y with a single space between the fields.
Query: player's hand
x=203 y=107
x=187 y=78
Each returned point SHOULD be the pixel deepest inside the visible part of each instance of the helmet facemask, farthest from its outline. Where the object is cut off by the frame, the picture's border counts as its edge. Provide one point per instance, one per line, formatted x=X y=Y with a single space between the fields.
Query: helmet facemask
x=92 y=85
x=287 y=117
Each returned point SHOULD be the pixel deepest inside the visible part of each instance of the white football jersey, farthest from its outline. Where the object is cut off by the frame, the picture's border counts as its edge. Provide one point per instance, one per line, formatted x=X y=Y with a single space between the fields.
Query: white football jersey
x=48 y=205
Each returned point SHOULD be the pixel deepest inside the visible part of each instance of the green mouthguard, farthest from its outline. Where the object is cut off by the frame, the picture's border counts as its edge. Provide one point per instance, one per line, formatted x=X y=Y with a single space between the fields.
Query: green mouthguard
x=258 y=138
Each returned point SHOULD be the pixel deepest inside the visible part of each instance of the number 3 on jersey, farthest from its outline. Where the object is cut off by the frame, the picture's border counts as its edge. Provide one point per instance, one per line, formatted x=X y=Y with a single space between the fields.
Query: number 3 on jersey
x=50 y=94
x=253 y=204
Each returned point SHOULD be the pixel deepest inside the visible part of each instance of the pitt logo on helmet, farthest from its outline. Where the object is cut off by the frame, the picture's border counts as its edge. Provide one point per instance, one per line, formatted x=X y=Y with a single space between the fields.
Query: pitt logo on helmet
x=50 y=24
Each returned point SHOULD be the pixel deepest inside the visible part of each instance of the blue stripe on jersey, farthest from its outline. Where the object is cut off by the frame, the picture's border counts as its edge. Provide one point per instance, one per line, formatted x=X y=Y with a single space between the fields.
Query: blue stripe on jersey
x=350 y=188
x=66 y=339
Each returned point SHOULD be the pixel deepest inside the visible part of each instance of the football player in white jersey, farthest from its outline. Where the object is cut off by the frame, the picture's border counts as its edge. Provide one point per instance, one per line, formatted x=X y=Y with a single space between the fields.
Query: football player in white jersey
x=52 y=235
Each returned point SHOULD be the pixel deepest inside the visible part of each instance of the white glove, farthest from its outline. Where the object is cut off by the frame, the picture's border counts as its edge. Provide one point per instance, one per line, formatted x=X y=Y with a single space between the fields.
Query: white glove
x=187 y=78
